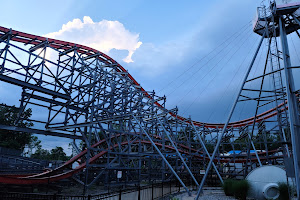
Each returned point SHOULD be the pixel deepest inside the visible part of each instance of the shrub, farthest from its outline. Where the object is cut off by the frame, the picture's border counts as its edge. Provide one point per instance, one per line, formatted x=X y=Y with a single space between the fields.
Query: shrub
x=241 y=189
x=228 y=187
x=284 y=191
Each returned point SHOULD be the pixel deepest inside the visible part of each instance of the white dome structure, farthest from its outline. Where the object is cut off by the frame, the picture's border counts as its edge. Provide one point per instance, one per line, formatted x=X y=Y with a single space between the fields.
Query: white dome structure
x=264 y=182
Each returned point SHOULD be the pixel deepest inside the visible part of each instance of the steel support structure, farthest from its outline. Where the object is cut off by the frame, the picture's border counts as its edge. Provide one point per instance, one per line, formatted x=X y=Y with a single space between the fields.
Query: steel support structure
x=116 y=126
x=228 y=119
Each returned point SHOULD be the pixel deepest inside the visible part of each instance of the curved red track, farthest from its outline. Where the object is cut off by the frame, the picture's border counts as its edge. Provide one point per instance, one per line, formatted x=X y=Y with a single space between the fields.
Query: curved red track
x=56 y=175
x=51 y=176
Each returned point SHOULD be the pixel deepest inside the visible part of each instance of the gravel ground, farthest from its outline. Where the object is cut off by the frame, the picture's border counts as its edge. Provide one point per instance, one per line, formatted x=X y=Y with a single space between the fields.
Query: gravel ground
x=208 y=194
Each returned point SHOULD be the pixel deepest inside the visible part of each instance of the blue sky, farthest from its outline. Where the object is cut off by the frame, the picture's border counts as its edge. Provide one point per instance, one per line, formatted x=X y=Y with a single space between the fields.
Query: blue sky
x=170 y=43
x=154 y=19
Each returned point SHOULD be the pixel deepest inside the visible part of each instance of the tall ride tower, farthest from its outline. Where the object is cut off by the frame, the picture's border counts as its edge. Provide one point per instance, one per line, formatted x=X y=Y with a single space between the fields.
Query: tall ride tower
x=271 y=23
x=279 y=20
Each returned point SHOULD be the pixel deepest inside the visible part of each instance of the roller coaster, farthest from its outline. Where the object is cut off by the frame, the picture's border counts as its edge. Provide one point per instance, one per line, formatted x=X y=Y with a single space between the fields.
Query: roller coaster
x=85 y=95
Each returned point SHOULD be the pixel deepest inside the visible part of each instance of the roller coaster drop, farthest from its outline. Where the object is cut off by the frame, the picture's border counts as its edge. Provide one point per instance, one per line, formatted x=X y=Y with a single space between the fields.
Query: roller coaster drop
x=86 y=95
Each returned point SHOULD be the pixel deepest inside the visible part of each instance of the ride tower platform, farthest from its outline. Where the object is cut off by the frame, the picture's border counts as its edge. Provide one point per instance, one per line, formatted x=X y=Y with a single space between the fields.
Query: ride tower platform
x=270 y=17
x=280 y=20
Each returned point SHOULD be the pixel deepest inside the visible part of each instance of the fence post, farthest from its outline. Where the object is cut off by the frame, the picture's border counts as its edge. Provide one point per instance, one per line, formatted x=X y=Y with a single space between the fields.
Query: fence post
x=89 y=197
x=54 y=196
x=152 y=191
x=162 y=188
x=139 y=194
x=120 y=194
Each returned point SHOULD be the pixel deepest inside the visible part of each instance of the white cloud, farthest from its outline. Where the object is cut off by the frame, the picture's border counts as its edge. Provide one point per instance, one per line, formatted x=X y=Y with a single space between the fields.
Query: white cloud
x=103 y=36
x=155 y=59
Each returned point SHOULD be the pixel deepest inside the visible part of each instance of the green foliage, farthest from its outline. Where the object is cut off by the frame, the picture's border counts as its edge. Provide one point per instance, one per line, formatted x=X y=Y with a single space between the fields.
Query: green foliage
x=210 y=148
x=54 y=154
x=238 y=189
x=9 y=115
x=41 y=154
x=272 y=141
x=35 y=143
x=11 y=139
x=284 y=191
x=58 y=154
x=228 y=187
x=241 y=189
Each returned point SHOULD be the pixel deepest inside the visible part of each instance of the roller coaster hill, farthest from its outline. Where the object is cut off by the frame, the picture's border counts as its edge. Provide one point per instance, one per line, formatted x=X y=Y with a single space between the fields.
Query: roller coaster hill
x=131 y=138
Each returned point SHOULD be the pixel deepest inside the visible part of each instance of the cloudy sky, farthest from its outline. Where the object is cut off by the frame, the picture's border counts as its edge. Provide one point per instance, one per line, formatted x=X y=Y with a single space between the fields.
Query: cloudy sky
x=194 y=52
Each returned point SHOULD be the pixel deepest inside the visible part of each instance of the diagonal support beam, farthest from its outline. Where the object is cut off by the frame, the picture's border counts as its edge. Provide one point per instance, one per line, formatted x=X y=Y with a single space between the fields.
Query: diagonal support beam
x=74 y=145
x=181 y=158
x=99 y=175
x=162 y=156
x=296 y=19
x=206 y=151
x=229 y=118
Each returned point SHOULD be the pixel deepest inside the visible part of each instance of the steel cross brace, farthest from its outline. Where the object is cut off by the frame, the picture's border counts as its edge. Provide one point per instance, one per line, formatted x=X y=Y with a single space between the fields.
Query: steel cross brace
x=253 y=146
x=99 y=175
x=162 y=156
x=207 y=153
x=229 y=118
x=181 y=158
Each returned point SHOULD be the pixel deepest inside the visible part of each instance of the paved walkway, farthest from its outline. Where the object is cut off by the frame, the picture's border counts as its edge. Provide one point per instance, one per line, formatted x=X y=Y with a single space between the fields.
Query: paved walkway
x=214 y=193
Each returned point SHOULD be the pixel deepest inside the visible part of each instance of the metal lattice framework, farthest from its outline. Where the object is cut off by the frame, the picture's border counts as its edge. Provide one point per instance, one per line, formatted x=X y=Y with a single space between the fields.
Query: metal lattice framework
x=85 y=95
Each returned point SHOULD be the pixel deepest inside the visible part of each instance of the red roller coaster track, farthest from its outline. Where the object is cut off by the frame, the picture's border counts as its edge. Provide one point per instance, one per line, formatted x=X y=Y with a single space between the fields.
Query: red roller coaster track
x=57 y=173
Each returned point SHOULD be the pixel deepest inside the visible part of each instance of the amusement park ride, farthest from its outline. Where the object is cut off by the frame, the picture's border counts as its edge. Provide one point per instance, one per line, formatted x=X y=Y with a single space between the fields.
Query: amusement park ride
x=86 y=95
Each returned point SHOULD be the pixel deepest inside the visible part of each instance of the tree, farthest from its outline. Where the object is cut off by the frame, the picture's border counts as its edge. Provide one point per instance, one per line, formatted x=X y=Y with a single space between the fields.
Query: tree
x=54 y=154
x=12 y=139
x=58 y=154
x=34 y=144
x=41 y=154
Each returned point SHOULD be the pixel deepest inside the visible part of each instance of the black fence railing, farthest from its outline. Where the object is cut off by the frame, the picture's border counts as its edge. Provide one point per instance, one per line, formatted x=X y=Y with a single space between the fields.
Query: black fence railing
x=148 y=192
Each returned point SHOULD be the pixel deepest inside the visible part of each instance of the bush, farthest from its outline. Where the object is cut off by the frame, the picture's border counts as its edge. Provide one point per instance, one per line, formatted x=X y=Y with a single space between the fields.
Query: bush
x=227 y=187
x=241 y=189
x=238 y=189
x=284 y=191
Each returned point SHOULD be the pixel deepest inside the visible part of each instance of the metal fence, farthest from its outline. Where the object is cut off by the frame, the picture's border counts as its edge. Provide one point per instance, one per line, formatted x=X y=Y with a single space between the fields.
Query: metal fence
x=149 y=192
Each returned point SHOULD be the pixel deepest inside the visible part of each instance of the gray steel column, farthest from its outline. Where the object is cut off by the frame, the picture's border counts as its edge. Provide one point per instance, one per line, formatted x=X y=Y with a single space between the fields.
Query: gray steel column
x=162 y=156
x=229 y=117
x=292 y=104
x=86 y=185
x=181 y=158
